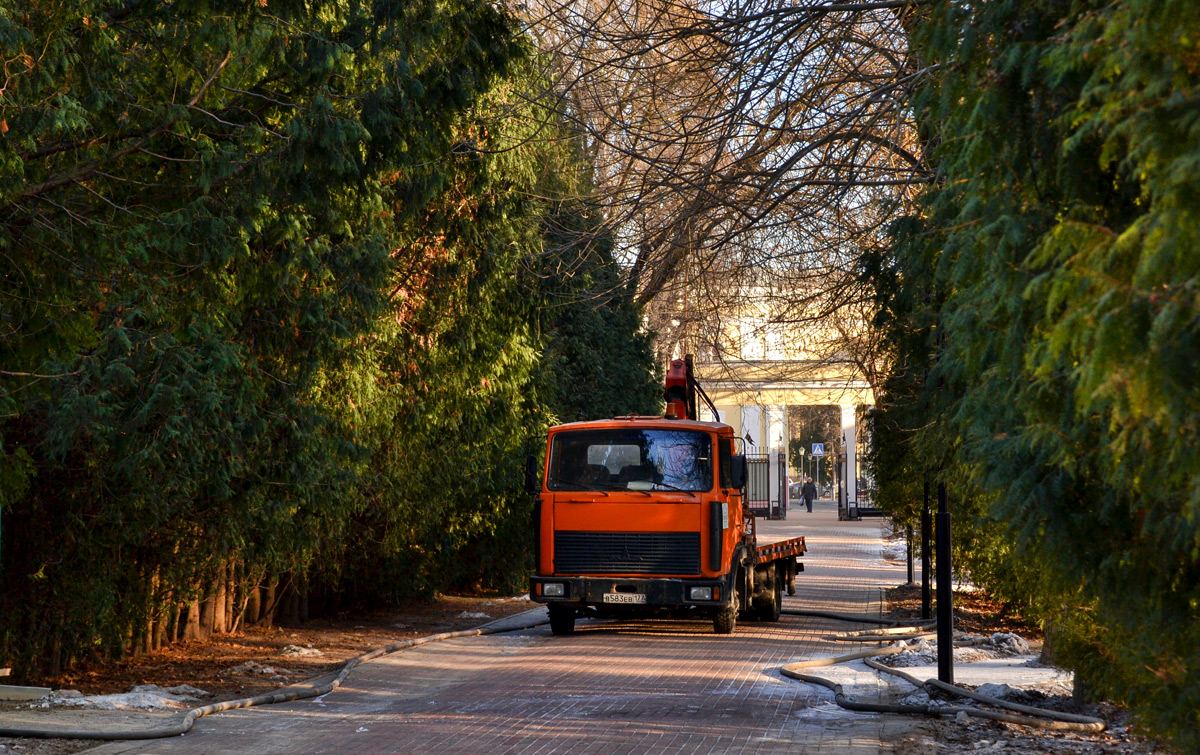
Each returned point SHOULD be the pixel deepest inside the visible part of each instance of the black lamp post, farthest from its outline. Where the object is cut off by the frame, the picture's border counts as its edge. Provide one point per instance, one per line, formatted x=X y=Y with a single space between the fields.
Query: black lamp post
x=926 y=554
x=945 y=598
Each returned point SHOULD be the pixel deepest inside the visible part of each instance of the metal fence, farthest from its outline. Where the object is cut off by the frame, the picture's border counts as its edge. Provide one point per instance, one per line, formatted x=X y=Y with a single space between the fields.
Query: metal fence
x=766 y=493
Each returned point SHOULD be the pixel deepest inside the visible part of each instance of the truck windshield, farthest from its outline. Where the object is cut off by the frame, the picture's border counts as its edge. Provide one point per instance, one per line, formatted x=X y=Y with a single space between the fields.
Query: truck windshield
x=631 y=459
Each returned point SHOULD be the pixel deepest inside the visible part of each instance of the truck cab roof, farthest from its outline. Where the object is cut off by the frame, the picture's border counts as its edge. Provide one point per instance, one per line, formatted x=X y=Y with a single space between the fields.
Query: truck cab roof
x=654 y=421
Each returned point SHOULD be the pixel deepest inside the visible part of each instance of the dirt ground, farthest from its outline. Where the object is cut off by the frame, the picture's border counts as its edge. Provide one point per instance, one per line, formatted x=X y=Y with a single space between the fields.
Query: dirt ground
x=974 y=612
x=213 y=665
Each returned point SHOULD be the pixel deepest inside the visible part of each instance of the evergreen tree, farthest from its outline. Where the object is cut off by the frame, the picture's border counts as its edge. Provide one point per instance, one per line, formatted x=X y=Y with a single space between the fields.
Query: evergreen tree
x=1044 y=318
x=509 y=320
x=198 y=207
x=597 y=361
x=285 y=305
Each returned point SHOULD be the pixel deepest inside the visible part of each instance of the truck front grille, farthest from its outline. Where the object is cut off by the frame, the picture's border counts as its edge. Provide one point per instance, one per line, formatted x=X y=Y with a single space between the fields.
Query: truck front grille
x=627 y=552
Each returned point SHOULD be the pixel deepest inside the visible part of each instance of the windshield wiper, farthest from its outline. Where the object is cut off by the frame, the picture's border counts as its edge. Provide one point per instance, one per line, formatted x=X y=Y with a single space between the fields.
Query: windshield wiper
x=669 y=486
x=602 y=486
x=566 y=486
x=623 y=488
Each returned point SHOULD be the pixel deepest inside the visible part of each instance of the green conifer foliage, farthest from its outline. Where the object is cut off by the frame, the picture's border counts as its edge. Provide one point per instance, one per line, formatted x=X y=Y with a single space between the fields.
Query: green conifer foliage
x=502 y=320
x=1043 y=311
x=597 y=362
x=199 y=203
x=285 y=304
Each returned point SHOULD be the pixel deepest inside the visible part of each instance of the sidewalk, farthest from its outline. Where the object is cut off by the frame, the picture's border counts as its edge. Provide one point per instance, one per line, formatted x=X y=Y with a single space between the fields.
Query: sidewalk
x=844 y=567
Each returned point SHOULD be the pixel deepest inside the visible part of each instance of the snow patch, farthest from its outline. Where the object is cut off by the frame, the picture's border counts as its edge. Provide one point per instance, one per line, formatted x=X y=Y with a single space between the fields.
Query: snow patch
x=141 y=697
x=253 y=668
x=296 y=651
x=924 y=653
x=1004 y=692
x=824 y=711
x=1008 y=643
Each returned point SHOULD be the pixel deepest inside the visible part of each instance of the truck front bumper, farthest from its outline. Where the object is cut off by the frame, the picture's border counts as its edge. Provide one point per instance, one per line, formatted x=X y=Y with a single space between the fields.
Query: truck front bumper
x=626 y=592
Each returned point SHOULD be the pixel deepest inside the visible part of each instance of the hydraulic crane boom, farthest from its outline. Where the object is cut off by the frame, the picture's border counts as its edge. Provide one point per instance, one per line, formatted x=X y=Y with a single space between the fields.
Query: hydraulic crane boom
x=680 y=389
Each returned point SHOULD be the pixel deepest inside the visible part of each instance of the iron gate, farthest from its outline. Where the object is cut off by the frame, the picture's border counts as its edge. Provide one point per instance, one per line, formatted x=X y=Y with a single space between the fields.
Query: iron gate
x=762 y=498
x=758 y=484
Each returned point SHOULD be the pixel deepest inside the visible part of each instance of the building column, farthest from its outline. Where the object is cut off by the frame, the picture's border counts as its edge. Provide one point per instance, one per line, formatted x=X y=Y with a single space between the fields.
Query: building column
x=752 y=426
x=850 y=445
x=776 y=430
x=777 y=427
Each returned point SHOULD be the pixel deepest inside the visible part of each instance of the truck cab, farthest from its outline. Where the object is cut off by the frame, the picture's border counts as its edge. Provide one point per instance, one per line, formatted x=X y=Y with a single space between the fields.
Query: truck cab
x=644 y=516
x=637 y=515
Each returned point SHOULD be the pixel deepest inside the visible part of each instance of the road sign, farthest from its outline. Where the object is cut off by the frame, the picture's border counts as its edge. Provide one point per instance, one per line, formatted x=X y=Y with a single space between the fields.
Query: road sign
x=818 y=449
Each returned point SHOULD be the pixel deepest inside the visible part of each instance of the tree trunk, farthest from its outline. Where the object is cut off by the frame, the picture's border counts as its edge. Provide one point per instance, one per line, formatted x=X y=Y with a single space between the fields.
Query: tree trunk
x=252 y=604
x=172 y=629
x=206 y=613
x=144 y=637
x=164 y=621
x=191 y=630
x=266 y=615
x=56 y=656
x=289 y=599
x=154 y=614
x=1049 y=640
x=218 y=603
x=230 y=592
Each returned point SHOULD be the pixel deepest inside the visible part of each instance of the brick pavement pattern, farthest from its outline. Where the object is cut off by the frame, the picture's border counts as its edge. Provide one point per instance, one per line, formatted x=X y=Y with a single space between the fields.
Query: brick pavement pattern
x=630 y=687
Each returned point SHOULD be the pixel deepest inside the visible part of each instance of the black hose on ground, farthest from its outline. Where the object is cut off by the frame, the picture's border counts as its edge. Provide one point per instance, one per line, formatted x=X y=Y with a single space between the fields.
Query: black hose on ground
x=853 y=618
x=285 y=695
x=1039 y=717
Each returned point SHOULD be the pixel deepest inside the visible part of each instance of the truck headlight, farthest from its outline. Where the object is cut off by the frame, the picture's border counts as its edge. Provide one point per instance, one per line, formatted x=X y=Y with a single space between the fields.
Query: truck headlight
x=554 y=589
x=700 y=593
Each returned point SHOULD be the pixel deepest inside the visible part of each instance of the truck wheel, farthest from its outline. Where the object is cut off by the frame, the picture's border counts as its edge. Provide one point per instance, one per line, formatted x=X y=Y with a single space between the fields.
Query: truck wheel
x=725 y=619
x=769 y=608
x=562 y=620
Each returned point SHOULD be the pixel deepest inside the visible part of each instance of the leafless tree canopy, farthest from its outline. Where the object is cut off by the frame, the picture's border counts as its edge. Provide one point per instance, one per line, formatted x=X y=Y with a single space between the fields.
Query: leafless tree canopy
x=750 y=148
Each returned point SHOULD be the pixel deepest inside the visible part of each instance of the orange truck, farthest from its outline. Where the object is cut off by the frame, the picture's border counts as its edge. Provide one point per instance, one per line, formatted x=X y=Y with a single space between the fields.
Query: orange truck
x=644 y=516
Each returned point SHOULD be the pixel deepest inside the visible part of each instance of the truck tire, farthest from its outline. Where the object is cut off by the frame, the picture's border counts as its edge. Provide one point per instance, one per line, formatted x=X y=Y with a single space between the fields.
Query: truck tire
x=562 y=620
x=770 y=606
x=725 y=619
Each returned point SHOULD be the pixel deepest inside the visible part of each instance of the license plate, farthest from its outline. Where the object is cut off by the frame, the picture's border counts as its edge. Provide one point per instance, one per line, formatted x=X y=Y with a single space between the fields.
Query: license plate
x=624 y=597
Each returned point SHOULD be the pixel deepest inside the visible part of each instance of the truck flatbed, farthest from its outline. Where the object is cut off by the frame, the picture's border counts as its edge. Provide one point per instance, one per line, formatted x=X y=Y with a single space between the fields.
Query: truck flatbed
x=778 y=538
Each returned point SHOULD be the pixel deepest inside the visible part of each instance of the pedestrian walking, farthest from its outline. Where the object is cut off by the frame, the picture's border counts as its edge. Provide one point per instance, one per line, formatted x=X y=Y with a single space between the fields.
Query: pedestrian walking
x=809 y=493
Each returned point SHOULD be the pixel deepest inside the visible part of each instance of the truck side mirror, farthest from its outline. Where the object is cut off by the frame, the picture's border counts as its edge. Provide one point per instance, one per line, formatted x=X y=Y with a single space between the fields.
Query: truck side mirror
x=737 y=471
x=531 y=475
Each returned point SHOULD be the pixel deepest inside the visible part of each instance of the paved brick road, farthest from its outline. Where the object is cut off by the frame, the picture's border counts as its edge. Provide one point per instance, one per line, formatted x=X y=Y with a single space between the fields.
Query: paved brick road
x=655 y=686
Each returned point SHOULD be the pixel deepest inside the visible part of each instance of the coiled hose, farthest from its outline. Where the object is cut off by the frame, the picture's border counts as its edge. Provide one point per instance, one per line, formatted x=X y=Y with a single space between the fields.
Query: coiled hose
x=1023 y=714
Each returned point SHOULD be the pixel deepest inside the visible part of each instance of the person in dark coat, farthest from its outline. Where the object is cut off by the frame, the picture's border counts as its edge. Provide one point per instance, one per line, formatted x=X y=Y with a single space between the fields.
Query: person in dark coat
x=809 y=494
